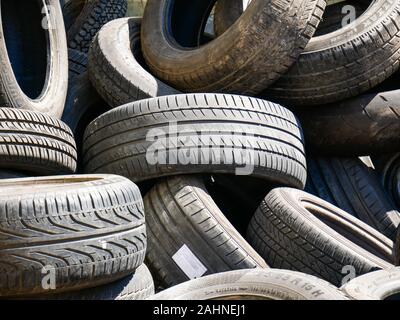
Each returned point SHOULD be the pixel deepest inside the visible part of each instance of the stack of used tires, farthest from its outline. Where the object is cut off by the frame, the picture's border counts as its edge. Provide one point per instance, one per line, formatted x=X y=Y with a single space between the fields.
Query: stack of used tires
x=263 y=136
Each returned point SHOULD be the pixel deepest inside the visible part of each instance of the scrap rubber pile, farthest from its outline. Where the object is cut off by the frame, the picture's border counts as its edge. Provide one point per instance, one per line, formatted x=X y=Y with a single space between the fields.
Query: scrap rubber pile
x=209 y=149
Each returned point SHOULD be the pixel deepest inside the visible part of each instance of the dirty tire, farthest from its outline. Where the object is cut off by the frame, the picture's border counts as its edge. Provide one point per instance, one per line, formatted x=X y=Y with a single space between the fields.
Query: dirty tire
x=34 y=142
x=65 y=225
x=378 y=285
x=344 y=63
x=364 y=125
x=116 y=65
x=138 y=286
x=130 y=140
x=297 y=231
x=94 y=15
x=253 y=284
x=353 y=187
x=248 y=50
x=388 y=169
x=27 y=79
x=180 y=212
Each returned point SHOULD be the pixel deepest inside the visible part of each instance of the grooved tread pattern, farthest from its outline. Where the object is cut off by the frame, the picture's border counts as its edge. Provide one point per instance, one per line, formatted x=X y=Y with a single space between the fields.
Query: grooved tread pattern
x=35 y=142
x=288 y=237
x=344 y=65
x=94 y=15
x=86 y=230
x=213 y=132
x=350 y=185
x=179 y=211
x=249 y=50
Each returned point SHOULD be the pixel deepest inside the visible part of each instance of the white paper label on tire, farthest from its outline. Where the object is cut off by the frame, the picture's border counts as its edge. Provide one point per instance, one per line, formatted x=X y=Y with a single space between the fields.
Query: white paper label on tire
x=189 y=263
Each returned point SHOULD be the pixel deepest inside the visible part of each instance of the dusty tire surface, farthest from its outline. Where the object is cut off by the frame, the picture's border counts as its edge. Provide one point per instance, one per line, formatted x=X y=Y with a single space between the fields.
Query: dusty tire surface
x=378 y=285
x=138 y=286
x=183 y=221
x=172 y=32
x=94 y=15
x=353 y=187
x=344 y=63
x=35 y=142
x=237 y=135
x=295 y=230
x=87 y=230
x=116 y=65
x=27 y=79
x=364 y=125
x=270 y=284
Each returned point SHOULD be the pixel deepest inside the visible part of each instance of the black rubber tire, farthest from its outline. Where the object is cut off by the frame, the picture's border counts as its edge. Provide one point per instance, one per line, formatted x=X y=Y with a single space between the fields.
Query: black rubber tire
x=138 y=286
x=295 y=230
x=64 y=225
x=388 y=169
x=81 y=99
x=253 y=284
x=71 y=11
x=353 y=187
x=33 y=59
x=8 y=174
x=378 y=285
x=34 y=142
x=94 y=15
x=251 y=49
x=364 y=125
x=120 y=141
x=180 y=212
x=344 y=63
x=116 y=65
x=78 y=62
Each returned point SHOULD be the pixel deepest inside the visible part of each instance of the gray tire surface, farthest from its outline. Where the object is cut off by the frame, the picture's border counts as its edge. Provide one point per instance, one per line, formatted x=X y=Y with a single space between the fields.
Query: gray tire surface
x=85 y=230
x=116 y=65
x=251 y=48
x=33 y=57
x=367 y=124
x=295 y=230
x=350 y=185
x=378 y=285
x=344 y=63
x=34 y=142
x=180 y=212
x=138 y=286
x=254 y=284
x=94 y=15
x=217 y=134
